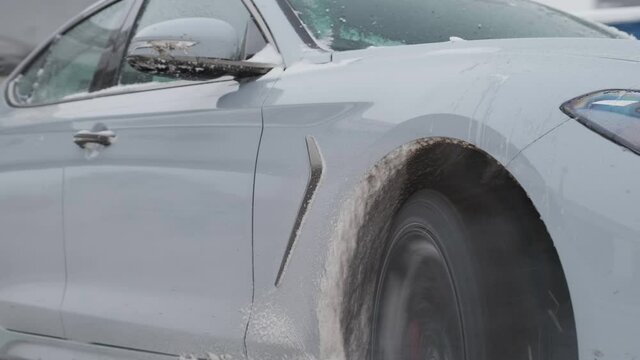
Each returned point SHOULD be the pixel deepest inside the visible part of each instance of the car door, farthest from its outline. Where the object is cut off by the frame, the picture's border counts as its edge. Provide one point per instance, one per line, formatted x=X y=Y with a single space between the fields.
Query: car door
x=32 y=265
x=34 y=151
x=158 y=225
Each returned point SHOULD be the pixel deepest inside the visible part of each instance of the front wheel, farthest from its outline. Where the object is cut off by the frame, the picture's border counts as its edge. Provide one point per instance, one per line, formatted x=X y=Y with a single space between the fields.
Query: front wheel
x=457 y=282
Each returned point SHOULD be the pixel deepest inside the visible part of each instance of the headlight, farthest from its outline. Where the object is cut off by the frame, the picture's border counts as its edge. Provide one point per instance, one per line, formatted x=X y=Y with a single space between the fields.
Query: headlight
x=614 y=114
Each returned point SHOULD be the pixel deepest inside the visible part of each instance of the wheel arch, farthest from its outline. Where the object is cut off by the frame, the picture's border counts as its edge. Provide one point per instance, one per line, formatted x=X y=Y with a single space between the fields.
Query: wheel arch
x=441 y=163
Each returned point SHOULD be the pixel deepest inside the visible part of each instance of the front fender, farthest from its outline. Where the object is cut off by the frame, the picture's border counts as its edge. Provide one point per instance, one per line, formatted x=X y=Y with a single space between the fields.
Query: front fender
x=586 y=191
x=360 y=108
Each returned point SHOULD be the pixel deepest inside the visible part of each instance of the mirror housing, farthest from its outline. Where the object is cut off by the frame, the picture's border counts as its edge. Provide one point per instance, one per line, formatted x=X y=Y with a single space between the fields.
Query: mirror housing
x=192 y=49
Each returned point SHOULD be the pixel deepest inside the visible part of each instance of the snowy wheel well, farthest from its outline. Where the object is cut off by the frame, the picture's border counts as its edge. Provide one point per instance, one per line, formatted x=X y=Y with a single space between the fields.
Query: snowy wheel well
x=472 y=179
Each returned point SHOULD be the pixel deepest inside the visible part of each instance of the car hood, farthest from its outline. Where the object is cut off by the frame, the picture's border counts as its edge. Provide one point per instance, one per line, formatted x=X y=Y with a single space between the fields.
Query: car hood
x=515 y=87
x=612 y=49
x=549 y=70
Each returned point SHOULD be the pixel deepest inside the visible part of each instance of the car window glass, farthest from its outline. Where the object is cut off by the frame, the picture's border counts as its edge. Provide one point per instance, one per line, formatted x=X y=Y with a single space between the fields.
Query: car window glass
x=233 y=12
x=68 y=66
x=358 y=24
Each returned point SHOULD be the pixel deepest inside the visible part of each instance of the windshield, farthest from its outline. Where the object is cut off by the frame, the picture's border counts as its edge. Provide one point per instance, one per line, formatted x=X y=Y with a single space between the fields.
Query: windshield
x=357 y=24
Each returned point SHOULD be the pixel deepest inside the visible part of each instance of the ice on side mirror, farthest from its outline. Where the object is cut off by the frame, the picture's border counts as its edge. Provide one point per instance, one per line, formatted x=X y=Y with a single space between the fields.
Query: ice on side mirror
x=192 y=37
x=194 y=49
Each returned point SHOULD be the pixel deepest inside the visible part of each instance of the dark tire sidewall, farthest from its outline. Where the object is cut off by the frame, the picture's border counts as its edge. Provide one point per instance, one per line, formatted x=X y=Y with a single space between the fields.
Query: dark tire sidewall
x=434 y=213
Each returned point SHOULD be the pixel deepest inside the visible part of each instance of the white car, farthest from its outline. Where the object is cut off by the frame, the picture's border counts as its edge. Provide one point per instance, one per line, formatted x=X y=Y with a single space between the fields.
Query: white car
x=330 y=179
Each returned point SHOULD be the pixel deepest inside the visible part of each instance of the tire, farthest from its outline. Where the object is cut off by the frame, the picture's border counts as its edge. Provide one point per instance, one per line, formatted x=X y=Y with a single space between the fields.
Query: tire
x=456 y=282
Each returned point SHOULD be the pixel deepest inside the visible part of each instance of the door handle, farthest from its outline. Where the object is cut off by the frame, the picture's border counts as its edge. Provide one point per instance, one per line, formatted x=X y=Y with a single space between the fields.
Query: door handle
x=99 y=135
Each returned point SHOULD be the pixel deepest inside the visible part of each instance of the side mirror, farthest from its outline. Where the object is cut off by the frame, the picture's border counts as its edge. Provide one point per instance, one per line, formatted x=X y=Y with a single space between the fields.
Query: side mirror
x=193 y=49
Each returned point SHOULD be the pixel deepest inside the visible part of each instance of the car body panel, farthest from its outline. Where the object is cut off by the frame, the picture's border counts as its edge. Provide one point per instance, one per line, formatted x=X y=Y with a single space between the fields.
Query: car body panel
x=32 y=260
x=497 y=95
x=177 y=183
x=585 y=189
x=17 y=346
x=156 y=224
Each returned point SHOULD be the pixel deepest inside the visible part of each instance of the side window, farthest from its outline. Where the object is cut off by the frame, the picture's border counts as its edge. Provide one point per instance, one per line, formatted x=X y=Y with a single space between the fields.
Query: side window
x=233 y=12
x=70 y=63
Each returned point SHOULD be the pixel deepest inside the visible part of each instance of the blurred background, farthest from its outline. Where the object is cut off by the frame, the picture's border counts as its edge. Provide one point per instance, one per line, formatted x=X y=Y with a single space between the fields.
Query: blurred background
x=26 y=23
